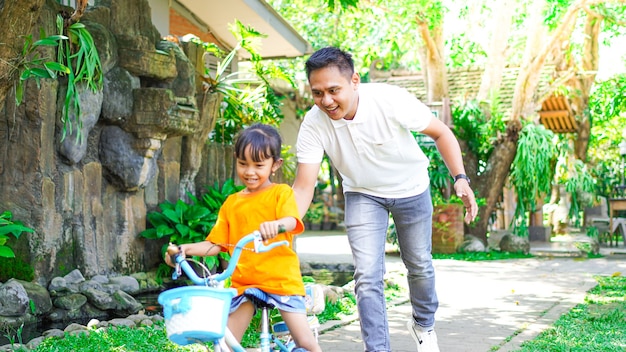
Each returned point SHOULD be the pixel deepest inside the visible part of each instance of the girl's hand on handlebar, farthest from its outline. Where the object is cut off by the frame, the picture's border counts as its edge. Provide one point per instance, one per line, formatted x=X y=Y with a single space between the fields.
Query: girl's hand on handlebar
x=270 y=229
x=172 y=250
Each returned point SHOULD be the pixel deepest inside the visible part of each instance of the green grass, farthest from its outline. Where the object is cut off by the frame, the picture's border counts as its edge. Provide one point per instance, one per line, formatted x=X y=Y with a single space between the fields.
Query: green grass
x=344 y=306
x=154 y=338
x=599 y=324
x=482 y=256
x=122 y=339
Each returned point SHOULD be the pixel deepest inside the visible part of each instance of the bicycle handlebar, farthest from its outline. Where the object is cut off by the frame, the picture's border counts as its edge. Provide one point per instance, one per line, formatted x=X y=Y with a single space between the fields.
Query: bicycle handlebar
x=174 y=252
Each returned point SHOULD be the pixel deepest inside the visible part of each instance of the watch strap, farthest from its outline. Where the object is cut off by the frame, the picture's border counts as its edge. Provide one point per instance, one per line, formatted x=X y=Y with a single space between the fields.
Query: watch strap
x=462 y=176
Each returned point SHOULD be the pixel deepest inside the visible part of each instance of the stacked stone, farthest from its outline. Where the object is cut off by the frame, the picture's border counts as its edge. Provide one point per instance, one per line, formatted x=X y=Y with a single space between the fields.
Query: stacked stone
x=73 y=298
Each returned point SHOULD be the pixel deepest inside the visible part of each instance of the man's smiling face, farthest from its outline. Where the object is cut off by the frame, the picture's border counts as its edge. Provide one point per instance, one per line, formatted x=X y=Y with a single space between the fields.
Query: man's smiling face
x=335 y=93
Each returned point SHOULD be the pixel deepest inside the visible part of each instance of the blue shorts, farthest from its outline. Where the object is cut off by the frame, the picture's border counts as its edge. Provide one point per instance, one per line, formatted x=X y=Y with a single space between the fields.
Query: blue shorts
x=292 y=304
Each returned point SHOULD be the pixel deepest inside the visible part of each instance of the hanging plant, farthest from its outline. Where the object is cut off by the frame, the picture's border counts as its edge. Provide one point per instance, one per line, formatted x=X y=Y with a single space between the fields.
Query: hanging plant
x=532 y=172
x=80 y=55
x=77 y=58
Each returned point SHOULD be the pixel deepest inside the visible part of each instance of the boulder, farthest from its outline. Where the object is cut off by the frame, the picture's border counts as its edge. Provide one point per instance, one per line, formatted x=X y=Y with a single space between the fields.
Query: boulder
x=14 y=300
x=514 y=244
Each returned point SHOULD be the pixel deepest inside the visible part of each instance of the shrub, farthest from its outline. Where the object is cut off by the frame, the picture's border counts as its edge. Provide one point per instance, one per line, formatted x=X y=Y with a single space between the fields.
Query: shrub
x=183 y=222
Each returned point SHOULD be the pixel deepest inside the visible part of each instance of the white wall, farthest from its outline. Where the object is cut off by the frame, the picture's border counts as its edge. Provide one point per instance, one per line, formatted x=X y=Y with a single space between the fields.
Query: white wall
x=161 y=15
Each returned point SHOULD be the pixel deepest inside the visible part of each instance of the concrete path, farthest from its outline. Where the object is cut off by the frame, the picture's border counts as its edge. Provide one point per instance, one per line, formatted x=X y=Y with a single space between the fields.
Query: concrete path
x=483 y=305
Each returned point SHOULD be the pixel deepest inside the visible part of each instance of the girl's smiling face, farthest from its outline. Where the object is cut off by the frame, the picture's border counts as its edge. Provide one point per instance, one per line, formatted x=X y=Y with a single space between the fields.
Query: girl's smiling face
x=334 y=92
x=255 y=175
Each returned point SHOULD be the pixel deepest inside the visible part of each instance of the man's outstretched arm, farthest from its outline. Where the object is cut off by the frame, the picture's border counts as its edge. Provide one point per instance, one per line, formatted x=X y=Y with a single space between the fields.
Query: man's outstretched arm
x=304 y=185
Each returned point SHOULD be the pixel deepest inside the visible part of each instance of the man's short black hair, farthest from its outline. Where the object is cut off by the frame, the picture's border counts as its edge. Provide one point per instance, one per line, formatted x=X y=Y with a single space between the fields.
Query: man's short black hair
x=330 y=56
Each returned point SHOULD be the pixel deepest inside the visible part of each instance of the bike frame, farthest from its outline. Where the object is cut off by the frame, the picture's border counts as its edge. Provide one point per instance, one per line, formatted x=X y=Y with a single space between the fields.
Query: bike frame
x=228 y=340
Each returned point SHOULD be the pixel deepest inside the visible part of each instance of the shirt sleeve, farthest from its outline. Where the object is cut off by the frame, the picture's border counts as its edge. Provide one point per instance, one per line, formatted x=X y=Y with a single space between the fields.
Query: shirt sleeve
x=287 y=206
x=309 y=146
x=220 y=232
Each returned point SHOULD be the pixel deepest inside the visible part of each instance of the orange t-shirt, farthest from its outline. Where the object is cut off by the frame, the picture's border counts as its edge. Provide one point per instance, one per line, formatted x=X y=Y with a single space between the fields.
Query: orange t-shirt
x=276 y=271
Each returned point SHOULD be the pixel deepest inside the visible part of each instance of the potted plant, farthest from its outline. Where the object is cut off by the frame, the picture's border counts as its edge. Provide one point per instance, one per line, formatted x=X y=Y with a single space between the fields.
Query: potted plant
x=447 y=228
x=313 y=217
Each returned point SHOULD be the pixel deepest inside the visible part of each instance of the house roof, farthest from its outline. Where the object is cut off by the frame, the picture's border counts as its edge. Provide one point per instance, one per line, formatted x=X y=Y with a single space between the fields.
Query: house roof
x=281 y=41
x=464 y=83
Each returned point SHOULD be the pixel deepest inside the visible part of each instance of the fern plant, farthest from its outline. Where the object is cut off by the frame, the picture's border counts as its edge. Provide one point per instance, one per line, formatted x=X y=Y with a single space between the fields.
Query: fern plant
x=37 y=67
x=532 y=171
x=80 y=55
x=77 y=58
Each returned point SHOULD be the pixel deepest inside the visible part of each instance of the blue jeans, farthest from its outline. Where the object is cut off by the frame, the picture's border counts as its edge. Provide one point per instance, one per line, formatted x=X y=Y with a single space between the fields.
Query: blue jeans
x=366 y=219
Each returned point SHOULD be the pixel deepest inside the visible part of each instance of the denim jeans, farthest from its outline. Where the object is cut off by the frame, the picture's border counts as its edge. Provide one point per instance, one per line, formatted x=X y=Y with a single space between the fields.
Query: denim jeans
x=366 y=219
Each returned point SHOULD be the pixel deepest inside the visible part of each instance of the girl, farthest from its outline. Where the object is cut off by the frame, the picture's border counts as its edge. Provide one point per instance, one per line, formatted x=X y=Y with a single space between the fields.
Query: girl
x=267 y=207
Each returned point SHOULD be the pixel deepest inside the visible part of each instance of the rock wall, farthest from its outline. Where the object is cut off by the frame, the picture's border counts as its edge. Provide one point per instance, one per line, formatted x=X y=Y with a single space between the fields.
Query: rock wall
x=87 y=193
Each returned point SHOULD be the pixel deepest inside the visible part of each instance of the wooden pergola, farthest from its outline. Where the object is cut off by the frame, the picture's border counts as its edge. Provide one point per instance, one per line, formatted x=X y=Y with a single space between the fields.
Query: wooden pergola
x=556 y=115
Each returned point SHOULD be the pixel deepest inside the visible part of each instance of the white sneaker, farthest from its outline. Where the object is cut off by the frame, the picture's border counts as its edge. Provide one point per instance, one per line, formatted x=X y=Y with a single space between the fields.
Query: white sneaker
x=426 y=341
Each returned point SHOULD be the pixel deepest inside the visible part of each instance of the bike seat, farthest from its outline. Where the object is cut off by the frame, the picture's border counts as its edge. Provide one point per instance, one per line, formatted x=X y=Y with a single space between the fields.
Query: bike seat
x=258 y=297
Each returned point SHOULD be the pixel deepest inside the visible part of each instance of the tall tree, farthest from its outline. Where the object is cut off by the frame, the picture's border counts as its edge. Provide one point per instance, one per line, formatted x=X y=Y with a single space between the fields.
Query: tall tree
x=541 y=31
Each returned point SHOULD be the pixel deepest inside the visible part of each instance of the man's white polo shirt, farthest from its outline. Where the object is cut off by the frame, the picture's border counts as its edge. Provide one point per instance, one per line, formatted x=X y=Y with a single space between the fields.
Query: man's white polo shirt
x=375 y=153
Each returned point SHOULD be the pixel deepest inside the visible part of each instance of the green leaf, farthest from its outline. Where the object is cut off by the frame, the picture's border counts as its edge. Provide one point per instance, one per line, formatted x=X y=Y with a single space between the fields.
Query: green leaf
x=166 y=205
x=163 y=231
x=157 y=219
x=149 y=234
x=196 y=234
x=19 y=92
x=173 y=216
x=196 y=212
x=40 y=72
x=77 y=25
x=46 y=42
x=183 y=230
x=14 y=229
x=55 y=66
x=27 y=45
x=6 y=252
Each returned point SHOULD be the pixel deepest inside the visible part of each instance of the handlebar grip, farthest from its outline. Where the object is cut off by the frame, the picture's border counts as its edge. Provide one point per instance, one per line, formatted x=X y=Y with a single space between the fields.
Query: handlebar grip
x=260 y=247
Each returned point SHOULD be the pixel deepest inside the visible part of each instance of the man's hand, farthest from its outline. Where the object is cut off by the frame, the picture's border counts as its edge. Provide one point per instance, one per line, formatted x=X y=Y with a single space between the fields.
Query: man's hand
x=464 y=191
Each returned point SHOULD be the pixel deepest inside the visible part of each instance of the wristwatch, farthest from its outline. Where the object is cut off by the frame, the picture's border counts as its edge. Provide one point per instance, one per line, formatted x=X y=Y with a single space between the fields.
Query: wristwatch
x=462 y=176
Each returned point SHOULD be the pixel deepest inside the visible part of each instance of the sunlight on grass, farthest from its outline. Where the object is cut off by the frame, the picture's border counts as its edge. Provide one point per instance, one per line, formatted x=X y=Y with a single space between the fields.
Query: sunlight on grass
x=599 y=324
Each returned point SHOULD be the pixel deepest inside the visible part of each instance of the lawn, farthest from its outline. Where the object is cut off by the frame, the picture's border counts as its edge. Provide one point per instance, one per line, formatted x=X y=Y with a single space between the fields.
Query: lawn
x=598 y=324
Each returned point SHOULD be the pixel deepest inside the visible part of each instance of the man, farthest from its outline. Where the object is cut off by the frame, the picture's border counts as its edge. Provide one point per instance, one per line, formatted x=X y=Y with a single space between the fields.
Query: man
x=365 y=129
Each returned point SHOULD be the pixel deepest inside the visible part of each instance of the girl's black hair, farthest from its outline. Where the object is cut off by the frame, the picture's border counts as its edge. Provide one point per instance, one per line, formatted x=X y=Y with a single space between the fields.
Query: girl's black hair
x=330 y=56
x=264 y=142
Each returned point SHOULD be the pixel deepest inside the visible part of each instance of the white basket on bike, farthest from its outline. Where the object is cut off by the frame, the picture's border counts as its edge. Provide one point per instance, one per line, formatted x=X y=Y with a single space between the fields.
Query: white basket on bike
x=195 y=314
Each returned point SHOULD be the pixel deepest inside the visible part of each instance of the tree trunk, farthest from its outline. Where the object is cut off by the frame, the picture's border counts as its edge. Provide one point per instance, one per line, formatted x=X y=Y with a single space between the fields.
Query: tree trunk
x=583 y=83
x=501 y=27
x=434 y=65
x=524 y=106
x=490 y=183
x=17 y=18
